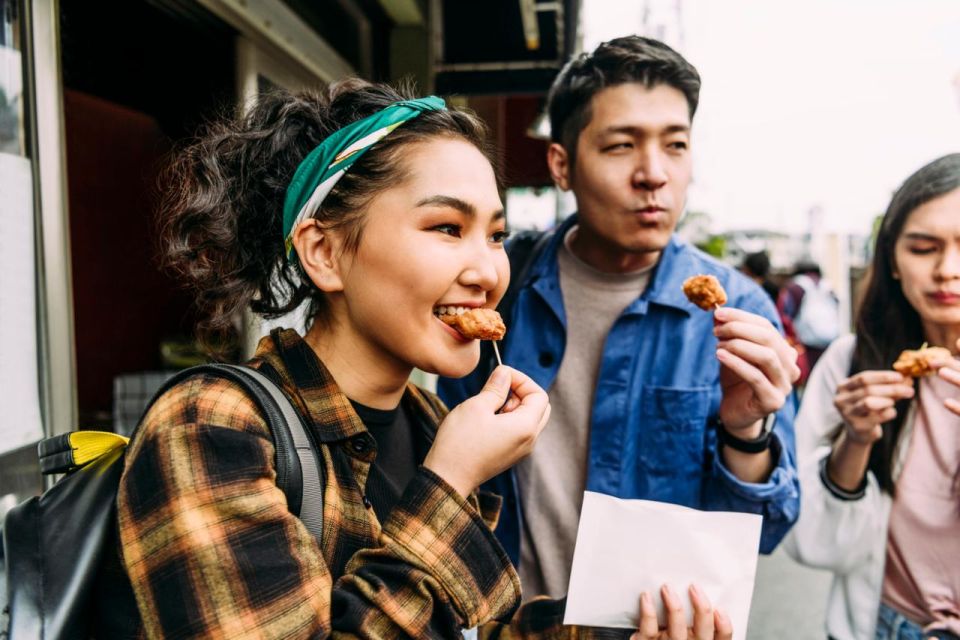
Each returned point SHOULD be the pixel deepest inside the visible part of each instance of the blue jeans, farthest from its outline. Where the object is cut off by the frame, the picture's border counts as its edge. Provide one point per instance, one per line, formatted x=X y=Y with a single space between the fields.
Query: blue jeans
x=893 y=626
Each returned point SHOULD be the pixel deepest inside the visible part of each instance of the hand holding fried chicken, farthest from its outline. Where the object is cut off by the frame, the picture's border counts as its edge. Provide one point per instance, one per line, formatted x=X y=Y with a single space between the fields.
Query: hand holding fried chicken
x=758 y=367
x=480 y=439
x=757 y=372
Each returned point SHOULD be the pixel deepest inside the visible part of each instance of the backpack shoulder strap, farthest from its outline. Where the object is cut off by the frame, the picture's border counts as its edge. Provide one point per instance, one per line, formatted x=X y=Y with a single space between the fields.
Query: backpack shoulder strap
x=522 y=252
x=310 y=510
x=296 y=458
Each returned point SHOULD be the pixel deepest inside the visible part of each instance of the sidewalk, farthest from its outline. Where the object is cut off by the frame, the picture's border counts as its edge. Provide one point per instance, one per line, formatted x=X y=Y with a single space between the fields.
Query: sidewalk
x=789 y=600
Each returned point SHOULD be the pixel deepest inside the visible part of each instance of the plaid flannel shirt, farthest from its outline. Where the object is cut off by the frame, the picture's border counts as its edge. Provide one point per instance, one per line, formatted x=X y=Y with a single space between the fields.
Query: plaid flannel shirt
x=212 y=551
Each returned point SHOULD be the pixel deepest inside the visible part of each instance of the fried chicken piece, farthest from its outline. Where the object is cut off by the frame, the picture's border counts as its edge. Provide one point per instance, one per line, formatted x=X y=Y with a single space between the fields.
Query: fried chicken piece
x=477 y=324
x=704 y=291
x=919 y=363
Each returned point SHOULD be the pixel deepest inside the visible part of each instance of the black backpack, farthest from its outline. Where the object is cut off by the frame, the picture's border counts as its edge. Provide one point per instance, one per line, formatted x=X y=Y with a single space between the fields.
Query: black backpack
x=55 y=544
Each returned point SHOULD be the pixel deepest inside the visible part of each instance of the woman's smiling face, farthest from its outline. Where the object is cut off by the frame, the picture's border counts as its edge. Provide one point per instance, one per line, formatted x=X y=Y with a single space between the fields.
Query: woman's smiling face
x=435 y=239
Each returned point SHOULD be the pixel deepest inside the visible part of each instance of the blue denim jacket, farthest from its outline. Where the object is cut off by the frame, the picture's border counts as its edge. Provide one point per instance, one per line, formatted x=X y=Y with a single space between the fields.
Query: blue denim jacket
x=657 y=395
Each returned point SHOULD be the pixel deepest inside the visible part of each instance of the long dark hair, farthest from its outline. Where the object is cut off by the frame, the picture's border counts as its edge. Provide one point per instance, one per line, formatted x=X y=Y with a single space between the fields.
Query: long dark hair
x=886 y=322
x=222 y=215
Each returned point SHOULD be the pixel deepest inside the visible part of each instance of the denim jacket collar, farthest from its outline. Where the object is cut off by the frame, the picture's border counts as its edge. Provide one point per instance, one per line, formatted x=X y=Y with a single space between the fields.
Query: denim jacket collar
x=666 y=283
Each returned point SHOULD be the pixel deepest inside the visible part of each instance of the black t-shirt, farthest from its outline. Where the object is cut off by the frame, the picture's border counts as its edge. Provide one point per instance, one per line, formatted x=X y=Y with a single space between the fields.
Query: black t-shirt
x=398 y=455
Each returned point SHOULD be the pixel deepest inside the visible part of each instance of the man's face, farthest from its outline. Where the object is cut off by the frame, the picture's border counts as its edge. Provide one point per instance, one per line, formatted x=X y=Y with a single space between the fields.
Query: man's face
x=631 y=172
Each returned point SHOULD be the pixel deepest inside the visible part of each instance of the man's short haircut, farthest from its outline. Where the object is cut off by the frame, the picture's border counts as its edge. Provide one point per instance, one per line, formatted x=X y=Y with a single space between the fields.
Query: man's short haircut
x=757 y=263
x=619 y=61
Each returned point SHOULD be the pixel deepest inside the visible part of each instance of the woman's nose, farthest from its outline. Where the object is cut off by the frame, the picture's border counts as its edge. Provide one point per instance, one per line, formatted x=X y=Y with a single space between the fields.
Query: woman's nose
x=480 y=269
x=949 y=266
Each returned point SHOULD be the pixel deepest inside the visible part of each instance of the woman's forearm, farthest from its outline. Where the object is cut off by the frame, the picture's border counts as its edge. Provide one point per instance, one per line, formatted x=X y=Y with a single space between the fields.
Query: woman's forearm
x=848 y=462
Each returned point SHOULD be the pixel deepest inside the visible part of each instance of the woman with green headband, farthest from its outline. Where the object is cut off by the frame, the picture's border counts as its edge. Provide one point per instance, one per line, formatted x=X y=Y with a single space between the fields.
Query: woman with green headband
x=377 y=212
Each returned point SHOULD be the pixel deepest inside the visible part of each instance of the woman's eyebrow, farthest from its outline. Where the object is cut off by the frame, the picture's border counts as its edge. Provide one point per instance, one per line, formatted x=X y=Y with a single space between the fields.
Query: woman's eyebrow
x=453 y=202
x=917 y=235
x=449 y=201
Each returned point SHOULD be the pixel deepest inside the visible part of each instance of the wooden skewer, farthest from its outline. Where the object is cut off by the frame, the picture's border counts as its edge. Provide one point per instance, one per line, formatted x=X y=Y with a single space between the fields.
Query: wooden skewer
x=496 y=351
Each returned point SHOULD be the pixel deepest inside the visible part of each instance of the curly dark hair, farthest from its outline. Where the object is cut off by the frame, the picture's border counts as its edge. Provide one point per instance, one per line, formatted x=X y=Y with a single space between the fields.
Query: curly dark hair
x=886 y=322
x=221 y=216
x=619 y=61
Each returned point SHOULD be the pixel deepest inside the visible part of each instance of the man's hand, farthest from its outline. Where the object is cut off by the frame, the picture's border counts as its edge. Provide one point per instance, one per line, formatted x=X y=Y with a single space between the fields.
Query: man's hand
x=757 y=370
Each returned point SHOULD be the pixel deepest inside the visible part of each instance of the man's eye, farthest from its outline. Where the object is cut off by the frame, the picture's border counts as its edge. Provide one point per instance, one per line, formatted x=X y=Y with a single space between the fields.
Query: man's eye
x=619 y=146
x=449 y=229
x=679 y=145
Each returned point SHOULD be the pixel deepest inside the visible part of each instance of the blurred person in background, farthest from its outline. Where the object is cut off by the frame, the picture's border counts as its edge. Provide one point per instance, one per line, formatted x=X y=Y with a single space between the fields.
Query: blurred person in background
x=757 y=267
x=810 y=312
x=879 y=452
x=651 y=396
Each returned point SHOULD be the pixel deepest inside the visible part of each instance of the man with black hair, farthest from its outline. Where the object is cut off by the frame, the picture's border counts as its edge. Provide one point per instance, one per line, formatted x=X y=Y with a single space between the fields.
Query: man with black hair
x=652 y=397
x=757 y=267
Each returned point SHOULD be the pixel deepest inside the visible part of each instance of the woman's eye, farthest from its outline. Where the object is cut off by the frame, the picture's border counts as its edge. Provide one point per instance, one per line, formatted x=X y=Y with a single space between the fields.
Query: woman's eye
x=920 y=251
x=499 y=237
x=449 y=229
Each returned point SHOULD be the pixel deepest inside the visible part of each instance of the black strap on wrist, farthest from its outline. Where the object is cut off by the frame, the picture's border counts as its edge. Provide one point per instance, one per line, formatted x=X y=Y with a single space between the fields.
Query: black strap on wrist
x=836 y=490
x=757 y=445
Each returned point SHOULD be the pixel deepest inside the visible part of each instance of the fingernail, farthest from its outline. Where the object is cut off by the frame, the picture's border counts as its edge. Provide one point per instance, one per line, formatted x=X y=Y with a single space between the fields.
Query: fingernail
x=667 y=592
x=500 y=377
x=645 y=599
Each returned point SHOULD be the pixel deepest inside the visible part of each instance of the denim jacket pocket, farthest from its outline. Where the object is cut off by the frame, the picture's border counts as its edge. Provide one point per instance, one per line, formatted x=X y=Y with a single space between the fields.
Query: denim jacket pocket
x=672 y=426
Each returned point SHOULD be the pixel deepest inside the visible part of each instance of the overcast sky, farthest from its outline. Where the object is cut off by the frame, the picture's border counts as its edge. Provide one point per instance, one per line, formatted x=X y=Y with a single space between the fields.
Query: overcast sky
x=819 y=103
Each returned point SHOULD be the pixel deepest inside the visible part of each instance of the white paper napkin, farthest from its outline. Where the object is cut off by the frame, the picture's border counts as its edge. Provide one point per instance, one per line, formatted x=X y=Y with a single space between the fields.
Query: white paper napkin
x=625 y=547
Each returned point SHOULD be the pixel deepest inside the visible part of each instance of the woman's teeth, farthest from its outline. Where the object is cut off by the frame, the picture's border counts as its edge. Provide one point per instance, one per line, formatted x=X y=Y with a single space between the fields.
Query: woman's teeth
x=449 y=311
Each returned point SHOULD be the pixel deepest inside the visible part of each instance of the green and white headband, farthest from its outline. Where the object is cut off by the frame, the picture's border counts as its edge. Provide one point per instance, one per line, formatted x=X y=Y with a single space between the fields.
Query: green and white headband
x=325 y=165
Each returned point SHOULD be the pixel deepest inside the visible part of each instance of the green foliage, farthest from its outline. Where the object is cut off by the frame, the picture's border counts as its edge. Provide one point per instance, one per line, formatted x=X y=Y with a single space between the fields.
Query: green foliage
x=716 y=246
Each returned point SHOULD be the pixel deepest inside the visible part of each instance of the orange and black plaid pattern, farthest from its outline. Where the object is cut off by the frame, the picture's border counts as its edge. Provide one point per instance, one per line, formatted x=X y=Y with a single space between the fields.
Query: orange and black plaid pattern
x=212 y=552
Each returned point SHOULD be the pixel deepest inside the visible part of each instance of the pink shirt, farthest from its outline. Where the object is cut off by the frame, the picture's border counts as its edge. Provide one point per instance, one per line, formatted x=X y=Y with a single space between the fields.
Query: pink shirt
x=922 y=572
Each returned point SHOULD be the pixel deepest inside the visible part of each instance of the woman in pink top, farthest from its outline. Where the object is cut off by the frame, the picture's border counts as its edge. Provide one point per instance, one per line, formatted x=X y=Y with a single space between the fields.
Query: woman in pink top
x=879 y=453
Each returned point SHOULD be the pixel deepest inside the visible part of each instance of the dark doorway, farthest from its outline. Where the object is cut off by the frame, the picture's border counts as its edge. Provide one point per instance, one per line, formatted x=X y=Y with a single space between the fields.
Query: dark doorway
x=138 y=78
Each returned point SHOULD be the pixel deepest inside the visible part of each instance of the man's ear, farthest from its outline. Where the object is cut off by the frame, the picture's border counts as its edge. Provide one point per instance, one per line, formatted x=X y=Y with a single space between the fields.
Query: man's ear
x=559 y=164
x=318 y=249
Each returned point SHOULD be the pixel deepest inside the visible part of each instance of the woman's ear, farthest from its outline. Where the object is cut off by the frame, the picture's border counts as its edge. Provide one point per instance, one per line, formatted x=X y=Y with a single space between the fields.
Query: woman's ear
x=318 y=249
x=559 y=164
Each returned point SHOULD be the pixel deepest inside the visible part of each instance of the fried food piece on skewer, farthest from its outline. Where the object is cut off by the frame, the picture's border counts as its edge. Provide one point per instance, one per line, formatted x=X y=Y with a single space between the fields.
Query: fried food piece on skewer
x=477 y=324
x=705 y=291
x=919 y=363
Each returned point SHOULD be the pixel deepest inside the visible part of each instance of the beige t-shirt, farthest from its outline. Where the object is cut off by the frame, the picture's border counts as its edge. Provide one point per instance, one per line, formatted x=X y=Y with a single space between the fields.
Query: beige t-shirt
x=552 y=479
x=922 y=572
